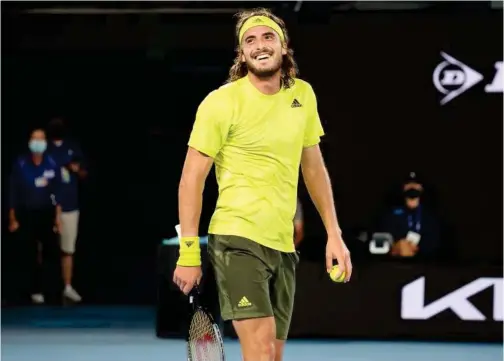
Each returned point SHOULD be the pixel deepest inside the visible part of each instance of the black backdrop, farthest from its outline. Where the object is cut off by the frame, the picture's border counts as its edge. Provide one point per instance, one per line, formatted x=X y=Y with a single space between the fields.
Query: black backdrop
x=120 y=79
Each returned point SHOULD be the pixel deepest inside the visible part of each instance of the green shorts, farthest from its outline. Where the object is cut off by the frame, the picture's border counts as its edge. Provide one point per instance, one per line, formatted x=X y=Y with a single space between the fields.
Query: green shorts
x=253 y=280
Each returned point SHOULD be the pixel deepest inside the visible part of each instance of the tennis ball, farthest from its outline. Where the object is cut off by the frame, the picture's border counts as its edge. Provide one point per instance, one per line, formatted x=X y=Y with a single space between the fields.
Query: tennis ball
x=334 y=273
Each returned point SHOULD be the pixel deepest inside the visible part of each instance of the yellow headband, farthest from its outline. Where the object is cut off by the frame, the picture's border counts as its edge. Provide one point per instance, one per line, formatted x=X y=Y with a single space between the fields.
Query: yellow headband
x=260 y=21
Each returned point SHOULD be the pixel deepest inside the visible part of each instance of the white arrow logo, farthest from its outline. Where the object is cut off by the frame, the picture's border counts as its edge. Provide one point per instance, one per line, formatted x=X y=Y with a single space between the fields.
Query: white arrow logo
x=464 y=77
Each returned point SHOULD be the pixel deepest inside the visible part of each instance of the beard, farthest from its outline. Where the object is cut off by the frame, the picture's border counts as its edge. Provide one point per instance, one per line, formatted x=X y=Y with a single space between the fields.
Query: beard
x=265 y=72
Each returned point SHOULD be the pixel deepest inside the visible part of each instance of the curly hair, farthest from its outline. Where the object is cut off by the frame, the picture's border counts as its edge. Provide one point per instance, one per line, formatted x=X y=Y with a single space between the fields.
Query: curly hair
x=289 y=69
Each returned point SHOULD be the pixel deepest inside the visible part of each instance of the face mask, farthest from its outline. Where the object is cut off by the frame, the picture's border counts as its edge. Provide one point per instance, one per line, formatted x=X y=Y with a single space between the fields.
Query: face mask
x=412 y=193
x=37 y=146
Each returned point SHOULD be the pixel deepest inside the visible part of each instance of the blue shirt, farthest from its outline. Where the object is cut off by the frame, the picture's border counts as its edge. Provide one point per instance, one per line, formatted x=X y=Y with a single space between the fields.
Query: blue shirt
x=34 y=187
x=68 y=151
x=401 y=221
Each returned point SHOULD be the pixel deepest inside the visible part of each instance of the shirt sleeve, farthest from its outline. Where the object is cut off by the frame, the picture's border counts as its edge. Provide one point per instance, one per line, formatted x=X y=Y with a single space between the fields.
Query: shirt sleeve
x=313 y=130
x=212 y=124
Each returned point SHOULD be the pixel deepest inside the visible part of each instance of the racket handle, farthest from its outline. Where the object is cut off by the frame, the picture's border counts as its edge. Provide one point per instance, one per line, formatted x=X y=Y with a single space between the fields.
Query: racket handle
x=194 y=295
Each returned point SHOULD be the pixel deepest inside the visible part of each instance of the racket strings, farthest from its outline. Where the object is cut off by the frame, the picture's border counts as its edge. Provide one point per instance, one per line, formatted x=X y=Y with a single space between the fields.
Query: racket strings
x=203 y=343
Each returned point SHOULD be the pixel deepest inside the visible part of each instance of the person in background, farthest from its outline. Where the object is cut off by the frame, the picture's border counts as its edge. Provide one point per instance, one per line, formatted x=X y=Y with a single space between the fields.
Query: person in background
x=68 y=156
x=415 y=229
x=34 y=209
x=298 y=225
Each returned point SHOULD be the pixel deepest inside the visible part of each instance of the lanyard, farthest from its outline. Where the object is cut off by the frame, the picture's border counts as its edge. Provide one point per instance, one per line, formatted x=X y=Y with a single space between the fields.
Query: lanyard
x=418 y=224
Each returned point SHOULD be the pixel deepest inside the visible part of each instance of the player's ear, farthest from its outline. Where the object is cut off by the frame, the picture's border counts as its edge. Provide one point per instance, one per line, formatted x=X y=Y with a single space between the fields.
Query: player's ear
x=284 y=49
x=242 y=57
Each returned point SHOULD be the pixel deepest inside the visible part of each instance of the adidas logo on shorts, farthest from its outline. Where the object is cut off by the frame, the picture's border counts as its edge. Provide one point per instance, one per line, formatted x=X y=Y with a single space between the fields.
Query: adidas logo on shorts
x=244 y=302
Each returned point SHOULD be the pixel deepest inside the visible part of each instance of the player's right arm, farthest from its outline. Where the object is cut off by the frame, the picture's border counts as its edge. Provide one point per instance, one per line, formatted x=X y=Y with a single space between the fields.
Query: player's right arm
x=208 y=136
x=197 y=165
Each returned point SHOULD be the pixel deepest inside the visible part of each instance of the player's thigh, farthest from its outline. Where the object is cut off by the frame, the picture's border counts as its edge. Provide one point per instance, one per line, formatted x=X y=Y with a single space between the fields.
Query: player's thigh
x=283 y=290
x=257 y=337
x=242 y=277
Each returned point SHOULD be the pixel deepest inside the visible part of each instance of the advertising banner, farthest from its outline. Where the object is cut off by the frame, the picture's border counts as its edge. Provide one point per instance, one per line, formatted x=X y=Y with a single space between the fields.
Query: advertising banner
x=401 y=300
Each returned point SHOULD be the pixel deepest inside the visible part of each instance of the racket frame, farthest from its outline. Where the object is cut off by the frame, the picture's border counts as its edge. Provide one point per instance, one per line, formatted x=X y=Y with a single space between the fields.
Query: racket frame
x=194 y=301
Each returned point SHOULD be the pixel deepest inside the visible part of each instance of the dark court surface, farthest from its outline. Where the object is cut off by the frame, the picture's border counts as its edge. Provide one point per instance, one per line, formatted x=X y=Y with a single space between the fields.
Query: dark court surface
x=127 y=334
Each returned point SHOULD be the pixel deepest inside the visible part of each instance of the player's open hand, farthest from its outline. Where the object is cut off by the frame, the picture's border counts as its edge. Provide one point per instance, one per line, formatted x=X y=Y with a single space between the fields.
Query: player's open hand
x=186 y=277
x=337 y=250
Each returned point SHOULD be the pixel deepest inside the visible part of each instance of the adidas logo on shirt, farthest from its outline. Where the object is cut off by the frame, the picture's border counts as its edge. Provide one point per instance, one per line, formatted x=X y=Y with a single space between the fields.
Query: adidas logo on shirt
x=244 y=302
x=296 y=104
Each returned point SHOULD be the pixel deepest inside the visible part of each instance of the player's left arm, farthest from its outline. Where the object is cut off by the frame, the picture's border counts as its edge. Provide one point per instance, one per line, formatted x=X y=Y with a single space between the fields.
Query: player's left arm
x=314 y=170
x=319 y=187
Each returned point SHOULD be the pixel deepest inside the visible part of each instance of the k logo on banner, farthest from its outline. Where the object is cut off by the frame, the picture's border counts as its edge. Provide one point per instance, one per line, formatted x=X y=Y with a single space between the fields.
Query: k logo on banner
x=413 y=305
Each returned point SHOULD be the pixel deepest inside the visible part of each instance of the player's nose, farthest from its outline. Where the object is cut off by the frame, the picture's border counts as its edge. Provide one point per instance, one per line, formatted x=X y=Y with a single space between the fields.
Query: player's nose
x=260 y=44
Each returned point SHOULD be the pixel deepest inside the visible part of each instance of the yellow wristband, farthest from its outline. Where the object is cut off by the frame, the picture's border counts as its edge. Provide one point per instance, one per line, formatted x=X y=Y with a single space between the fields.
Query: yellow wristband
x=189 y=252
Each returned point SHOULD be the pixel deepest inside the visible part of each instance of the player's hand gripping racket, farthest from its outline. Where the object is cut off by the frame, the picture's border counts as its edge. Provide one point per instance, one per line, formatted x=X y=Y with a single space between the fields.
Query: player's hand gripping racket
x=204 y=340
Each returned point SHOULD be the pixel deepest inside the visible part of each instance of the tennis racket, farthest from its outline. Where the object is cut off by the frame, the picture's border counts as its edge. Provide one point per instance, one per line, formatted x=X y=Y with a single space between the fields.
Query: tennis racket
x=204 y=340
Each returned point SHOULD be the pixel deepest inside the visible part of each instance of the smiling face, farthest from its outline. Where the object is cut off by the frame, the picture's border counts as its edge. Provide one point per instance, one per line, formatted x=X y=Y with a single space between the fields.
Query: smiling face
x=262 y=51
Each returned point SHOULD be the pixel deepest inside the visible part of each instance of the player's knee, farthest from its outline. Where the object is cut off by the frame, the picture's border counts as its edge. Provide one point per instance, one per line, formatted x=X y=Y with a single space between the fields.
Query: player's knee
x=265 y=349
x=257 y=337
x=260 y=349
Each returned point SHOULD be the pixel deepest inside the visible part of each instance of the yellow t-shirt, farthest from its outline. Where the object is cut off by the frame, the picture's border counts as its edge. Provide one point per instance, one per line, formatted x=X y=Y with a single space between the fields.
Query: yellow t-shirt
x=256 y=142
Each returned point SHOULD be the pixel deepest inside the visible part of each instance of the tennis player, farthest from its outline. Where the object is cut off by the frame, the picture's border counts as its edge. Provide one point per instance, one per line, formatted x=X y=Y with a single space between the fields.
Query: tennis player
x=257 y=129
